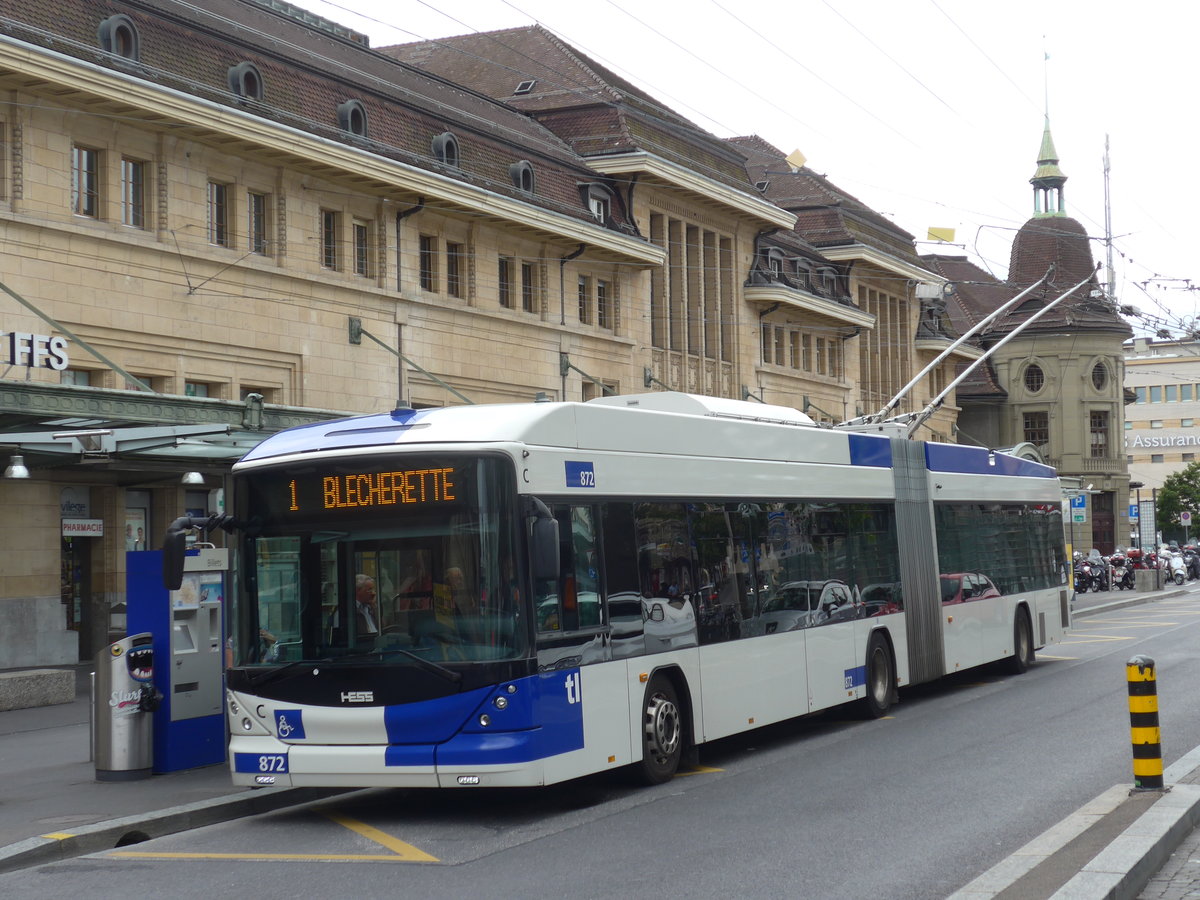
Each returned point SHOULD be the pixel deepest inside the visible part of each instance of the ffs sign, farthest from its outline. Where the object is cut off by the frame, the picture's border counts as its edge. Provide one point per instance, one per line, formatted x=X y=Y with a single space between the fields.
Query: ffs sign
x=35 y=351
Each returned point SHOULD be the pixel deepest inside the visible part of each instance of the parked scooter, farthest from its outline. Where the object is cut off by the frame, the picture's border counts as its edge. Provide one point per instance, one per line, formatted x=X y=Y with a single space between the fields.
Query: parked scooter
x=1099 y=569
x=1122 y=571
x=1177 y=568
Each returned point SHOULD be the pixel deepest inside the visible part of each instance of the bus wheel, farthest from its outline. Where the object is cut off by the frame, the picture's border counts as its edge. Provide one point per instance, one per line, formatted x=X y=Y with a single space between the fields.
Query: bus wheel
x=662 y=732
x=1022 y=657
x=880 y=678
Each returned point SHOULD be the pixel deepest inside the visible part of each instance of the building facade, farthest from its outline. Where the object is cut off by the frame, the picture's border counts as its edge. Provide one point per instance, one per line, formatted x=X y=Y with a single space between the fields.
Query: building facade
x=228 y=219
x=1161 y=433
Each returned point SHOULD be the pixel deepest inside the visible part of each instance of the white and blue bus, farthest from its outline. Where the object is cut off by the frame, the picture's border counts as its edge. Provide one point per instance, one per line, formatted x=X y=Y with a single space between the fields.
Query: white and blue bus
x=523 y=594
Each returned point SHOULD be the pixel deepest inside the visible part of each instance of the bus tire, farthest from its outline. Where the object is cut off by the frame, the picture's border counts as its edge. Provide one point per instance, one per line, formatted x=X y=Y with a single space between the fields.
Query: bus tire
x=880 y=678
x=662 y=732
x=1023 y=654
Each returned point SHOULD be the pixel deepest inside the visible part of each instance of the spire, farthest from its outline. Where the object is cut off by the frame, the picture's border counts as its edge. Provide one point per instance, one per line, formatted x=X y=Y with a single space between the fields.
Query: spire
x=1048 y=180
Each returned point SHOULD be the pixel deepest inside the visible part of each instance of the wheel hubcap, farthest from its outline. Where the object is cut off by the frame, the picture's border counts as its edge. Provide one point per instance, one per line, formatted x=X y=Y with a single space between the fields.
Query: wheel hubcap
x=662 y=727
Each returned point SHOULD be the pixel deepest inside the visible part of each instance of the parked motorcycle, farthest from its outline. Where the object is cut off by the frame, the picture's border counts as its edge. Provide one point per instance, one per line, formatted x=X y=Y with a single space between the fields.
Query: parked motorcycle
x=1192 y=560
x=1087 y=576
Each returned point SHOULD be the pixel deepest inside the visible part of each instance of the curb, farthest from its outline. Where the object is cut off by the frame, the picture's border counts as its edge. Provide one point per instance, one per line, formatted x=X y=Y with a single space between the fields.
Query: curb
x=134 y=829
x=1126 y=865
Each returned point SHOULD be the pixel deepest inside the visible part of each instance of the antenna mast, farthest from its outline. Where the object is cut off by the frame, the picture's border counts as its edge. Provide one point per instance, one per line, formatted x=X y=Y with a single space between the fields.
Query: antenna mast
x=1108 y=238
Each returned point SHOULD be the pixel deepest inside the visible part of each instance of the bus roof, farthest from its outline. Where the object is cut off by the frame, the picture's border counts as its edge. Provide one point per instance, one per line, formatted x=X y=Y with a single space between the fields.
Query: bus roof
x=666 y=422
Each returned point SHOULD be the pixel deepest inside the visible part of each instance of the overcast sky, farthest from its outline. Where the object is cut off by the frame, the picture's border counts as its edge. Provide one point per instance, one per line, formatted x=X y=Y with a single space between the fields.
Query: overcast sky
x=929 y=111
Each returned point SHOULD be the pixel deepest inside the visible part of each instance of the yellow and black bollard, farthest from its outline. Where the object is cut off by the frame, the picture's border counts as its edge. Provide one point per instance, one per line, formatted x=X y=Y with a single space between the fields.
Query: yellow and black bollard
x=1143 y=724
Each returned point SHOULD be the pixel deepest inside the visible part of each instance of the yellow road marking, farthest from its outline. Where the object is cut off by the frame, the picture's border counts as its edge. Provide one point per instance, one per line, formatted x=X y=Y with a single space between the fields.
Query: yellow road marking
x=698 y=770
x=401 y=852
x=265 y=857
x=58 y=835
x=1042 y=655
x=1098 y=639
x=397 y=846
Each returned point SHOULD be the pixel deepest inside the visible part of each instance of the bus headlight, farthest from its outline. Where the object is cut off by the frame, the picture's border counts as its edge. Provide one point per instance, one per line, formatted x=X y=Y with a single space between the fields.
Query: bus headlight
x=247 y=725
x=485 y=720
x=500 y=703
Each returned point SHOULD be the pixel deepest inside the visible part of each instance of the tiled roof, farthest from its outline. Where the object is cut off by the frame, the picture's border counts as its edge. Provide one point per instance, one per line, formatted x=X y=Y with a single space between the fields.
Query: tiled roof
x=307 y=73
x=827 y=216
x=1062 y=242
x=592 y=108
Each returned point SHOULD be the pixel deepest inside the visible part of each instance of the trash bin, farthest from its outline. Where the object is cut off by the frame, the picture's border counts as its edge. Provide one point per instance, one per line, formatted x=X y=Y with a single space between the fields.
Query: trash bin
x=125 y=698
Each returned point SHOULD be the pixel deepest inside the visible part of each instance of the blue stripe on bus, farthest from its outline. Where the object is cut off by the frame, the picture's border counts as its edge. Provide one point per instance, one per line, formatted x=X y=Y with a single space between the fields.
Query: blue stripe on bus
x=558 y=701
x=432 y=721
x=870 y=450
x=540 y=716
x=409 y=755
x=981 y=461
x=855 y=677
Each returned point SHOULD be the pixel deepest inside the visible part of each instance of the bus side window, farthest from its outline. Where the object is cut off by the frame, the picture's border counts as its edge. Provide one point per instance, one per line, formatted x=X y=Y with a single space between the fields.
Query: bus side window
x=572 y=601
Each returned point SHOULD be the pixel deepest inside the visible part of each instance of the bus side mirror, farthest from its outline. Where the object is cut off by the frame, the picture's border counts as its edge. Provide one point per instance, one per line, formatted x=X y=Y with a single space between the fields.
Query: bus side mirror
x=175 y=544
x=174 y=547
x=544 y=548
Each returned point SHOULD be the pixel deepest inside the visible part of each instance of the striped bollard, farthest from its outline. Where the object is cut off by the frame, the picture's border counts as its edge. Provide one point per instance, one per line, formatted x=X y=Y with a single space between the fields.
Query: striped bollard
x=1143 y=724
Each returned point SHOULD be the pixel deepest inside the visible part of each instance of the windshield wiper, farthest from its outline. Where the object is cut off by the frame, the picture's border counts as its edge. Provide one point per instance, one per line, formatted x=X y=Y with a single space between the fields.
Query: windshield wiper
x=427 y=664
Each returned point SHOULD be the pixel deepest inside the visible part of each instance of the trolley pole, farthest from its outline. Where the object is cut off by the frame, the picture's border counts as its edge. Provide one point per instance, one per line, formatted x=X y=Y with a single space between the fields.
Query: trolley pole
x=1143 y=724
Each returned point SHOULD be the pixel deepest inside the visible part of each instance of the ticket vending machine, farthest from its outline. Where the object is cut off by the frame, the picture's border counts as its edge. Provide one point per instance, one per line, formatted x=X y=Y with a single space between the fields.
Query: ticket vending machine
x=188 y=629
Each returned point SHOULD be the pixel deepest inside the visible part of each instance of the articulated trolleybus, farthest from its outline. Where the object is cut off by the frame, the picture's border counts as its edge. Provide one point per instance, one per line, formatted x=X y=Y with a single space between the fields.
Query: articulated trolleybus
x=524 y=594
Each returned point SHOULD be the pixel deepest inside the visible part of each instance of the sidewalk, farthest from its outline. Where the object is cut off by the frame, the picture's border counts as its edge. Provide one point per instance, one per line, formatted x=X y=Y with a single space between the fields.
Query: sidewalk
x=53 y=808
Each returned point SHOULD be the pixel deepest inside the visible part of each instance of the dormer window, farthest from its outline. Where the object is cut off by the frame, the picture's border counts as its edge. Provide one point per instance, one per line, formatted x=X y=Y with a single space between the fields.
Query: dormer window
x=445 y=149
x=119 y=36
x=525 y=87
x=522 y=176
x=597 y=198
x=828 y=280
x=246 y=81
x=773 y=263
x=761 y=186
x=352 y=117
x=803 y=279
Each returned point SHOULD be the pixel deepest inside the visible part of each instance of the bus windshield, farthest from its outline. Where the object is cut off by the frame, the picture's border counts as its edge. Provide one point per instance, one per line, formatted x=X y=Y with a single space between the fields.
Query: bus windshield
x=379 y=560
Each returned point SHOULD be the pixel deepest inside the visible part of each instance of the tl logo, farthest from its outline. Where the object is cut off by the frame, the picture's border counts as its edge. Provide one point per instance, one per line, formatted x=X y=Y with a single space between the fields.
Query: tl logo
x=574 y=685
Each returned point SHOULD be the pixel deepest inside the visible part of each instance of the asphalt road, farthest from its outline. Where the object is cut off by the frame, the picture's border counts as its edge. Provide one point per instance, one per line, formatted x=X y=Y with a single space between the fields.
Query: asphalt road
x=911 y=806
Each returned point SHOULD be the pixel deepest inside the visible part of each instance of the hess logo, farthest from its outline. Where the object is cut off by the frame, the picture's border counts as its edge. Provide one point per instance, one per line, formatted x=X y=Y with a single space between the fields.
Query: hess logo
x=358 y=696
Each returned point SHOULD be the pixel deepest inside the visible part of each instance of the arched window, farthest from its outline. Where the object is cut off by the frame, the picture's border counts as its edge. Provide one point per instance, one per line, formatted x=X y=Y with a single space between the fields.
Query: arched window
x=1035 y=379
x=522 y=176
x=352 y=117
x=445 y=149
x=246 y=81
x=118 y=36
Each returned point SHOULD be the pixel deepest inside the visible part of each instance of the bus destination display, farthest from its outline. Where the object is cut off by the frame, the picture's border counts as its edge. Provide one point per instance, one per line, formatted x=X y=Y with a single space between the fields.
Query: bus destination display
x=359 y=489
x=337 y=491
